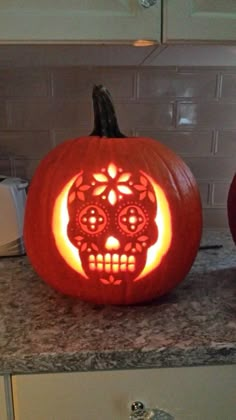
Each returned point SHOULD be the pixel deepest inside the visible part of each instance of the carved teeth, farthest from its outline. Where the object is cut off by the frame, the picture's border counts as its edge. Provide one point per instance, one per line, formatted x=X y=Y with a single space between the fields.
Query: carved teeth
x=111 y=263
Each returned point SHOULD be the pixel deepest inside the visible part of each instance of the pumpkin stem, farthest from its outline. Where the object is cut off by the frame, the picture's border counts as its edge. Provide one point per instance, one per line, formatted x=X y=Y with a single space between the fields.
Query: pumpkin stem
x=105 y=121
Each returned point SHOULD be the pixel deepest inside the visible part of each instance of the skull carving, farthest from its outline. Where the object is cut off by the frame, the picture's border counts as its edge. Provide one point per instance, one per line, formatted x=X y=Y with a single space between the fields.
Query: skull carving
x=112 y=223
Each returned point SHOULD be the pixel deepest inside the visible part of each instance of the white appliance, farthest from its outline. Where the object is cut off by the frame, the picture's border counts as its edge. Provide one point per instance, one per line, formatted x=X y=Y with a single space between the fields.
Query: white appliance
x=12 y=206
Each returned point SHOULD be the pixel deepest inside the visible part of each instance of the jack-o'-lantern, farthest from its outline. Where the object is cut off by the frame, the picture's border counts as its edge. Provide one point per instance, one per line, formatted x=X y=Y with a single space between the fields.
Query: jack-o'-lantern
x=231 y=207
x=112 y=219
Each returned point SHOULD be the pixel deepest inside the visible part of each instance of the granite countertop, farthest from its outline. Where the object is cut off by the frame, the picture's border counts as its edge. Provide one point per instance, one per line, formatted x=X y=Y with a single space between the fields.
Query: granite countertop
x=43 y=331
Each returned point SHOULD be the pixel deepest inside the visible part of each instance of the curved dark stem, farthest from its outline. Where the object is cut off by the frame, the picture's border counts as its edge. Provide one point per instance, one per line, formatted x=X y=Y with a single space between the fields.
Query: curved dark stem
x=105 y=121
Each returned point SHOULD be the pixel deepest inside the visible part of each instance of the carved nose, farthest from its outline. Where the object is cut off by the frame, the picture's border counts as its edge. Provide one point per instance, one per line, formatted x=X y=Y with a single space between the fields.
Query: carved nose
x=112 y=243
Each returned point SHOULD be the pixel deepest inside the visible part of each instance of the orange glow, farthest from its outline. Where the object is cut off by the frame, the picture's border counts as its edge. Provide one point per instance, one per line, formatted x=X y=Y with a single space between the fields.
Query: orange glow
x=163 y=221
x=143 y=43
x=112 y=243
x=60 y=219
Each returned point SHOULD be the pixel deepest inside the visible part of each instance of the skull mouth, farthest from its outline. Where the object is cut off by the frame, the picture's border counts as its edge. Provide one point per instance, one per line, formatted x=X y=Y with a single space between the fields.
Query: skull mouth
x=112 y=263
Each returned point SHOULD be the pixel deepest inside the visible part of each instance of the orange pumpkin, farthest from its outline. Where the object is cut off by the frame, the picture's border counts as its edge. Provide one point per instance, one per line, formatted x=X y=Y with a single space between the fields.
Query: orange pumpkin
x=111 y=219
x=231 y=207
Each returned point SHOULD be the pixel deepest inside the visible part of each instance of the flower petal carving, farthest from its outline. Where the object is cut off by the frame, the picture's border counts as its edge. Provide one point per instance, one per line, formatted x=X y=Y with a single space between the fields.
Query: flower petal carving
x=84 y=187
x=128 y=246
x=142 y=238
x=151 y=196
x=78 y=181
x=140 y=187
x=117 y=282
x=139 y=247
x=100 y=177
x=112 y=198
x=104 y=281
x=99 y=190
x=124 y=177
x=71 y=197
x=78 y=238
x=84 y=246
x=112 y=170
x=143 y=180
x=94 y=246
x=142 y=195
x=123 y=189
x=80 y=195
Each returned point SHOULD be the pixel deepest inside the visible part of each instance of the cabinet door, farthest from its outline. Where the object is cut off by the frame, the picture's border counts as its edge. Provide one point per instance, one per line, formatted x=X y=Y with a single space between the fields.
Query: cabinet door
x=185 y=393
x=199 y=20
x=66 y=21
x=3 y=403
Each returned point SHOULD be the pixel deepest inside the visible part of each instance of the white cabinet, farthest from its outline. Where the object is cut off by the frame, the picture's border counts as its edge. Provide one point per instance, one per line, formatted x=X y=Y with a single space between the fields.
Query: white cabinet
x=3 y=400
x=78 y=21
x=185 y=393
x=199 y=20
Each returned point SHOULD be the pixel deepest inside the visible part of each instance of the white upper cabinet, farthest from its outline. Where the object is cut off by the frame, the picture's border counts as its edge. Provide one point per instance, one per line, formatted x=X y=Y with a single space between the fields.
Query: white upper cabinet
x=199 y=20
x=79 y=21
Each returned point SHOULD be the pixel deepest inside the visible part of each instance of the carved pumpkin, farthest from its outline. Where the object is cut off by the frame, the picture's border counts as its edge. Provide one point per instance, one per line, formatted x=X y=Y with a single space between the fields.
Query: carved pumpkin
x=231 y=206
x=111 y=219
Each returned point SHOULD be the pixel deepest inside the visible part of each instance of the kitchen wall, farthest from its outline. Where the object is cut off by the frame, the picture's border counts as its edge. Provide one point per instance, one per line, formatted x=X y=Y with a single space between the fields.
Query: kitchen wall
x=190 y=109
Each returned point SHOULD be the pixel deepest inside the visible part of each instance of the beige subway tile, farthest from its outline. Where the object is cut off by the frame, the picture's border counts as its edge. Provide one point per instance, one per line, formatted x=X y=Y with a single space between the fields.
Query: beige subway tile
x=226 y=143
x=211 y=168
x=30 y=114
x=143 y=115
x=25 y=168
x=220 y=193
x=62 y=135
x=5 y=167
x=77 y=82
x=208 y=115
x=158 y=84
x=3 y=115
x=228 y=89
x=204 y=189
x=184 y=143
x=71 y=114
x=25 y=143
x=24 y=82
x=215 y=218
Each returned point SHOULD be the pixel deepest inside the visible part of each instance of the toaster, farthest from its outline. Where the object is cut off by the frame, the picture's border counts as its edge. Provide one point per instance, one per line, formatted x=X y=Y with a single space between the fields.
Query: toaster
x=12 y=206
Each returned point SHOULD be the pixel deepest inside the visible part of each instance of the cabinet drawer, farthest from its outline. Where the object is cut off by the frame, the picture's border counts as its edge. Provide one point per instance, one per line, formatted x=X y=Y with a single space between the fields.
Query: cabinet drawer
x=199 y=393
x=80 y=21
x=199 y=20
x=3 y=404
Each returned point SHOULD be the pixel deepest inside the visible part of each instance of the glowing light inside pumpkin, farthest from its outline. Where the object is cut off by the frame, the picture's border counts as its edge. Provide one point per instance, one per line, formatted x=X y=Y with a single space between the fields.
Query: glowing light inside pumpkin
x=124 y=263
x=112 y=243
x=59 y=227
x=163 y=220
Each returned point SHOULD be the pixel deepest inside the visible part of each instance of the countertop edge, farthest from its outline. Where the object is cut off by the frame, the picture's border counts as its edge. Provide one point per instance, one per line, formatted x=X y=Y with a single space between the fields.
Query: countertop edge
x=119 y=360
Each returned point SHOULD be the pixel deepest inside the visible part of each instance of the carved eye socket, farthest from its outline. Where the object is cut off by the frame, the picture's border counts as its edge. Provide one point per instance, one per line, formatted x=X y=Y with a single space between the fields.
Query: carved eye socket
x=92 y=219
x=132 y=219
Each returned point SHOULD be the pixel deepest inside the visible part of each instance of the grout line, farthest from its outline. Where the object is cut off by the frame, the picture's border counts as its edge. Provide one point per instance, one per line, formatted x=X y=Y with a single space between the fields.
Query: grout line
x=175 y=114
x=136 y=86
x=215 y=142
x=219 y=81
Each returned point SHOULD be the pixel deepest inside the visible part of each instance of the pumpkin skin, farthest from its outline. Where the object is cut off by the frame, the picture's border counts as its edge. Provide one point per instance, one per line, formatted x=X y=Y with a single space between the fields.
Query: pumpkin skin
x=133 y=219
x=231 y=207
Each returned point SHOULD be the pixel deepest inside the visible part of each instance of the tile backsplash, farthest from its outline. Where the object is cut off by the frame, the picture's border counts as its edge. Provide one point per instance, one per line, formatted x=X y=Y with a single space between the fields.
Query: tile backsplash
x=190 y=109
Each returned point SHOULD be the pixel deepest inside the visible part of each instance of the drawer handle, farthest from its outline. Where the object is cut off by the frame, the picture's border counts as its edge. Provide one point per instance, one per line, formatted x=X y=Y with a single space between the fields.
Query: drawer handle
x=147 y=3
x=139 y=412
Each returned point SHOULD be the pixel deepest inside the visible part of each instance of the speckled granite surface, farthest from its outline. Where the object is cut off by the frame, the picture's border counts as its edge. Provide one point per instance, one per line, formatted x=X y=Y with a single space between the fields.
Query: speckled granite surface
x=43 y=331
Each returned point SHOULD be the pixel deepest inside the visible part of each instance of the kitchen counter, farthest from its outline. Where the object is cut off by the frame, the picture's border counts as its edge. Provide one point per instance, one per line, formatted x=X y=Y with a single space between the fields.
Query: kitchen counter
x=43 y=331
